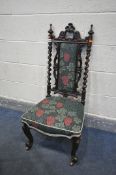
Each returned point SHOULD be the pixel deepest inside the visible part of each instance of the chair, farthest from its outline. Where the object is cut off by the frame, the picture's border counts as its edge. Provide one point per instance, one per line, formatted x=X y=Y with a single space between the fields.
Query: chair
x=61 y=113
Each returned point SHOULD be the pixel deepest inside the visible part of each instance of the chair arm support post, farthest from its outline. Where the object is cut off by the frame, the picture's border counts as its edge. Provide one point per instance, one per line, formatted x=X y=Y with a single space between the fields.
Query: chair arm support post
x=49 y=69
x=50 y=36
x=87 y=60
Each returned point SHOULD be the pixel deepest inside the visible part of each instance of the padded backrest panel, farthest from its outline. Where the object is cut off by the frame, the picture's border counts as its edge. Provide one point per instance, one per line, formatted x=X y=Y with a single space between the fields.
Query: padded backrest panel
x=67 y=66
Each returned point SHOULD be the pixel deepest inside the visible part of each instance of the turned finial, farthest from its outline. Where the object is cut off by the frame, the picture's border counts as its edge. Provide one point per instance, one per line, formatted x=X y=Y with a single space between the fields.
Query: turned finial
x=91 y=32
x=51 y=32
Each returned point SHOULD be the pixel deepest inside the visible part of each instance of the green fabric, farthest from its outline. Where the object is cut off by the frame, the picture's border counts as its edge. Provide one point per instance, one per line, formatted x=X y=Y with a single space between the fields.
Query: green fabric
x=67 y=65
x=56 y=115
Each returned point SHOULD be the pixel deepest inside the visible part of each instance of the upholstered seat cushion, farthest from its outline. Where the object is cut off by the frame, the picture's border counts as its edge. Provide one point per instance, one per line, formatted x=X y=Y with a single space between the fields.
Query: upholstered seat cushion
x=56 y=116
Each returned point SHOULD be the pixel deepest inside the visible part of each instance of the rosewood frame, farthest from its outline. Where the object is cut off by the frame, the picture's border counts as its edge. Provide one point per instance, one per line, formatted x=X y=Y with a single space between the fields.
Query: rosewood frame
x=62 y=38
x=68 y=36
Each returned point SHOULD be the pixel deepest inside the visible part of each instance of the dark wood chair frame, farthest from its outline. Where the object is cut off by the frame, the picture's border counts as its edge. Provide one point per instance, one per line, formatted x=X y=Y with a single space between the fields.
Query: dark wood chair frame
x=67 y=36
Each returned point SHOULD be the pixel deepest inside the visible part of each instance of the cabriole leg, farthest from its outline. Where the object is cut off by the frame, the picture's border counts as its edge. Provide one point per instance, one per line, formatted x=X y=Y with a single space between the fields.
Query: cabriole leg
x=28 y=134
x=75 y=145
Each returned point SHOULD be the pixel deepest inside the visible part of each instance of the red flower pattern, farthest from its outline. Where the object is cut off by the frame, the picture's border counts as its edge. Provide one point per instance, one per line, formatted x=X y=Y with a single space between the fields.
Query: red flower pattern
x=59 y=105
x=39 y=112
x=66 y=57
x=50 y=120
x=45 y=101
x=65 y=80
x=68 y=121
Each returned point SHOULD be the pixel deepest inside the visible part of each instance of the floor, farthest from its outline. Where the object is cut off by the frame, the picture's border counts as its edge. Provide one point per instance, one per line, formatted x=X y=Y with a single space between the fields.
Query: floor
x=50 y=156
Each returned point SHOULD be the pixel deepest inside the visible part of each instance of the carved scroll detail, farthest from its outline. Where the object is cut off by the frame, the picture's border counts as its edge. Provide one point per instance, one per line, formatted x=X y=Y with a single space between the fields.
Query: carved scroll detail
x=79 y=67
x=69 y=33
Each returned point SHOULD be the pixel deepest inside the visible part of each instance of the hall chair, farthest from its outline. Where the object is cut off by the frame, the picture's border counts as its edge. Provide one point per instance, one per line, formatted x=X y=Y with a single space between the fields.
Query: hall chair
x=61 y=113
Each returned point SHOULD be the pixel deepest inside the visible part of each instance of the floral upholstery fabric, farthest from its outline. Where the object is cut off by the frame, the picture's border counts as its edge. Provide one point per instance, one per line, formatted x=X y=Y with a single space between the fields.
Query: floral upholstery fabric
x=56 y=115
x=67 y=65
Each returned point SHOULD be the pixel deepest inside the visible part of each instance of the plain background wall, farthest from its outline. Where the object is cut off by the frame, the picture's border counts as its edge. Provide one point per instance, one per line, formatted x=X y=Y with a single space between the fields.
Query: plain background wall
x=23 y=48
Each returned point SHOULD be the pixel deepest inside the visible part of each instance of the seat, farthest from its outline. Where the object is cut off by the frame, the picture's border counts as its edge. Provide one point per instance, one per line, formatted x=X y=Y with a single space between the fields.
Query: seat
x=58 y=116
x=61 y=113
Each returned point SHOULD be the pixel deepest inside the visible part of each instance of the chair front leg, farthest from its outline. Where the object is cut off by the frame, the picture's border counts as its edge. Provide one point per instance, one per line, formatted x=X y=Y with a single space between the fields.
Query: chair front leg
x=75 y=145
x=28 y=134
